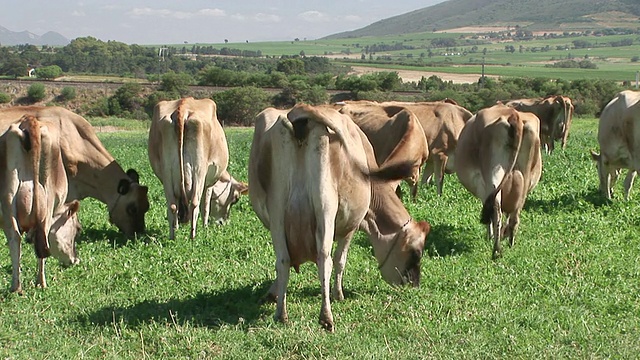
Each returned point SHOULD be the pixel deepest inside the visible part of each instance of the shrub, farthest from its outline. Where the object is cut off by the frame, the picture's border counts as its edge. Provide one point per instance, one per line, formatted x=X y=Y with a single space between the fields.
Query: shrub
x=36 y=92
x=5 y=98
x=241 y=105
x=68 y=93
x=49 y=72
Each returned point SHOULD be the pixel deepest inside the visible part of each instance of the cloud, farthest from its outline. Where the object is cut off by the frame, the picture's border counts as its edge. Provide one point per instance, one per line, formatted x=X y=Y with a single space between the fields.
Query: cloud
x=352 y=18
x=212 y=12
x=166 y=13
x=261 y=17
x=78 y=13
x=314 y=16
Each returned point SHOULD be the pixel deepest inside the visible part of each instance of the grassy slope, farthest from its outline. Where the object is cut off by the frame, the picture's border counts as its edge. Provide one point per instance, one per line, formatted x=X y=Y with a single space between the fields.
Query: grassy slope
x=567 y=289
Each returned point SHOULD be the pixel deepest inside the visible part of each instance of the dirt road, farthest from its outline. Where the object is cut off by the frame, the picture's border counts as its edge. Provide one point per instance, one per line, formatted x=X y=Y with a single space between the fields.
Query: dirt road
x=414 y=75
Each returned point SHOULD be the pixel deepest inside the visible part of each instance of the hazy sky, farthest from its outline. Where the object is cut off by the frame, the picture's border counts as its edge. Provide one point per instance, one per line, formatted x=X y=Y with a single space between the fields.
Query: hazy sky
x=164 y=22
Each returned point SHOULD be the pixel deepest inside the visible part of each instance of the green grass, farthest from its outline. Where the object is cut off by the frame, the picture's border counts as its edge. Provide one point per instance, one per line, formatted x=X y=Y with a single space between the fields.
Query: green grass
x=567 y=289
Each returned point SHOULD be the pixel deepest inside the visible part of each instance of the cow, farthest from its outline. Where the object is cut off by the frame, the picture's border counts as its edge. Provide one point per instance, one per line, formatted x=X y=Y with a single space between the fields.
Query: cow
x=555 y=113
x=619 y=140
x=189 y=154
x=498 y=160
x=394 y=132
x=90 y=168
x=442 y=122
x=313 y=179
x=34 y=189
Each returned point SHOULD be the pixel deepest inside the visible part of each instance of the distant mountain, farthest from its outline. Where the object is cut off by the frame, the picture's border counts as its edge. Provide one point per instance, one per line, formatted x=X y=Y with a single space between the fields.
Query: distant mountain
x=529 y=15
x=9 y=38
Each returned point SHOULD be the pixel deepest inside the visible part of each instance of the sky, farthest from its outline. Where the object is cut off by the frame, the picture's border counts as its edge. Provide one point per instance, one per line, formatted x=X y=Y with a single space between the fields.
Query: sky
x=152 y=22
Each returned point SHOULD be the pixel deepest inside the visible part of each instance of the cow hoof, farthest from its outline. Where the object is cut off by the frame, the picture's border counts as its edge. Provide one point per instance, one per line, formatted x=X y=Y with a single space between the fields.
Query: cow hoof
x=18 y=290
x=282 y=318
x=496 y=255
x=327 y=325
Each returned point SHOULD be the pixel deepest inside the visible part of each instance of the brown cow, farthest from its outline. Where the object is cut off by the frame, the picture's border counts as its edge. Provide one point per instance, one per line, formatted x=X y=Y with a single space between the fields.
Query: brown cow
x=90 y=168
x=188 y=153
x=498 y=160
x=442 y=122
x=394 y=132
x=619 y=141
x=310 y=184
x=555 y=113
x=34 y=189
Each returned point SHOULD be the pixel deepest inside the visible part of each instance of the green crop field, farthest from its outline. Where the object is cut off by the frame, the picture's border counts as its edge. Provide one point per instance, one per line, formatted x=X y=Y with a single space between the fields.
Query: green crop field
x=567 y=289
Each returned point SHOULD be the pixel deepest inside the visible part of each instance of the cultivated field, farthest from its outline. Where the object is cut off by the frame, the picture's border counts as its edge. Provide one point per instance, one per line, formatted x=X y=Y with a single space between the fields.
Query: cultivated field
x=568 y=289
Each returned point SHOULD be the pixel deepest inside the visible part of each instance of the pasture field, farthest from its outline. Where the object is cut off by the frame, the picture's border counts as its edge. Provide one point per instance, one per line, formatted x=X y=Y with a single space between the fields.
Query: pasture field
x=568 y=288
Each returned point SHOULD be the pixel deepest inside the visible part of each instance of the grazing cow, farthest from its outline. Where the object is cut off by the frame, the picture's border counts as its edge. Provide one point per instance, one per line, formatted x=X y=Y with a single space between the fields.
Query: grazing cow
x=619 y=139
x=90 y=168
x=442 y=122
x=498 y=160
x=188 y=153
x=555 y=113
x=310 y=184
x=394 y=132
x=34 y=188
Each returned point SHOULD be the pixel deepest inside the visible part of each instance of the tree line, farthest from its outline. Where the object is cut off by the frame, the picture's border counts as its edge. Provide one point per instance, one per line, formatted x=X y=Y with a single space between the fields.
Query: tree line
x=297 y=78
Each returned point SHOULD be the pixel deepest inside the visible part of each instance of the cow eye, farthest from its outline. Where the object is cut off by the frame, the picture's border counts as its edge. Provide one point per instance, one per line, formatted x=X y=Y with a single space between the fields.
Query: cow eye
x=131 y=210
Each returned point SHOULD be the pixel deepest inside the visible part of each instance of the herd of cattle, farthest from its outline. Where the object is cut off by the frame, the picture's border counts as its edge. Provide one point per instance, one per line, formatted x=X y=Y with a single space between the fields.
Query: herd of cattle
x=316 y=175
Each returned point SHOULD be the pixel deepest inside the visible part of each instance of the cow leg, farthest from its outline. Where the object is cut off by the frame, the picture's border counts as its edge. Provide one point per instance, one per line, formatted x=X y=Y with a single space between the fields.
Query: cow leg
x=15 y=246
x=441 y=166
x=324 y=242
x=512 y=227
x=172 y=216
x=496 y=223
x=628 y=183
x=339 y=262
x=427 y=173
x=206 y=205
x=283 y=266
x=194 y=209
x=40 y=279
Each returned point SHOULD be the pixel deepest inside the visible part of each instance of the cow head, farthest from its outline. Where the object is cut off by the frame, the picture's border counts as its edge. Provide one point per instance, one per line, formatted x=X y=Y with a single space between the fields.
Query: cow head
x=226 y=192
x=63 y=232
x=402 y=263
x=129 y=208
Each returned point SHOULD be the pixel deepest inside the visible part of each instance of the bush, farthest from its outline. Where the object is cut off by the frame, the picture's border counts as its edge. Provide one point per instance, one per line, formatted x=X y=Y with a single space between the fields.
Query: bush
x=68 y=93
x=36 y=92
x=241 y=105
x=5 y=98
x=49 y=72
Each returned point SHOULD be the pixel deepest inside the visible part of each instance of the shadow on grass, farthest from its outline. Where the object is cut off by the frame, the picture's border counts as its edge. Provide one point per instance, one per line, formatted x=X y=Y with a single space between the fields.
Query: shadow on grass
x=567 y=202
x=444 y=240
x=232 y=307
x=90 y=235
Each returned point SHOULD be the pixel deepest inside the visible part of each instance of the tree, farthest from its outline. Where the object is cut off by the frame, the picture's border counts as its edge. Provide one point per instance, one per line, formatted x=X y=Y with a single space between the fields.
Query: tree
x=241 y=105
x=49 y=72
x=179 y=83
x=15 y=67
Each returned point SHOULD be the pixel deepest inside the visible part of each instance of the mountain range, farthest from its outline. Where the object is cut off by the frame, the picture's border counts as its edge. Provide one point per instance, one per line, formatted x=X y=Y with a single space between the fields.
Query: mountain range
x=10 y=38
x=538 y=15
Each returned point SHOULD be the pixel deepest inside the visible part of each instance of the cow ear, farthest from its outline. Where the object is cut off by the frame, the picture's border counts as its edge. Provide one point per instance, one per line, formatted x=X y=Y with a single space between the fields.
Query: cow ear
x=133 y=175
x=123 y=186
x=73 y=208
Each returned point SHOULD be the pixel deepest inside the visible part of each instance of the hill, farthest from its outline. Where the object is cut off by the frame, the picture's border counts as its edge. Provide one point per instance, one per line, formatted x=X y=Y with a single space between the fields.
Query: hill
x=51 y=38
x=529 y=15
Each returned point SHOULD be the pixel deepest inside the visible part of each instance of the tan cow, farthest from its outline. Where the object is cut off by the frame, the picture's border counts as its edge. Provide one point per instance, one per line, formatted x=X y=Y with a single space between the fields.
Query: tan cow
x=34 y=189
x=394 y=132
x=90 y=168
x=555 y=113
x=498 y=160
x=619 y=139
x=188 y=153
x=442 y=122
x=311 y=183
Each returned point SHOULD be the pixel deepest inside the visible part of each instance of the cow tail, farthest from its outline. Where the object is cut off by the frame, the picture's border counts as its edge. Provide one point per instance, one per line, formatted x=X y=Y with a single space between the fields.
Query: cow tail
x=516 y=131
x=32 y=145
x=178 y=118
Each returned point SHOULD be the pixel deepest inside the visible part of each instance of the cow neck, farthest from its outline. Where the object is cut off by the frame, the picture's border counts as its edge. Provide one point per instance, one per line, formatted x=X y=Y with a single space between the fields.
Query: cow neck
x=92 y=170
x=386 y=217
